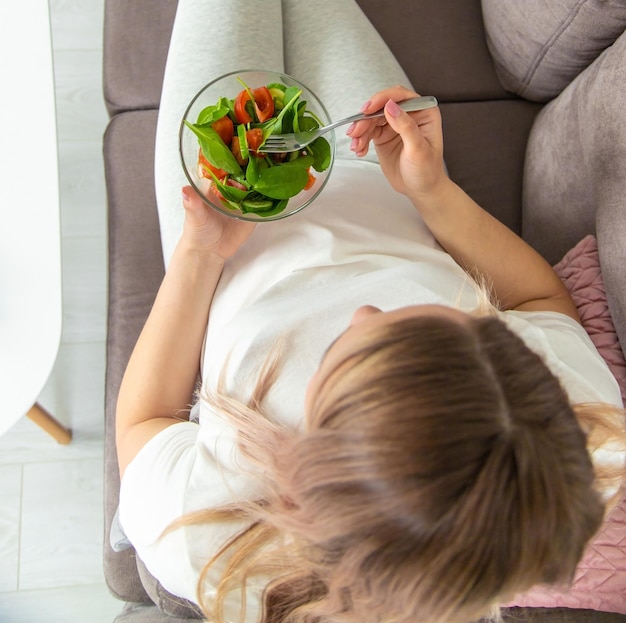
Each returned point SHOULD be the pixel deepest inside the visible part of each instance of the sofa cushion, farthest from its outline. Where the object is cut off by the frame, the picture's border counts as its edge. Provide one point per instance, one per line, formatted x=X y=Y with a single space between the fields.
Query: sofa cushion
x=442 y=50
x=574 y=180
x=559 y=615
x=581 y=273
x=601 y=574
x=169 y=604
x=484 y=148
x=540 y=46
x=600 y=577
x=136 y=40
x=135 y=272
x=448 y=55
x=145 y=613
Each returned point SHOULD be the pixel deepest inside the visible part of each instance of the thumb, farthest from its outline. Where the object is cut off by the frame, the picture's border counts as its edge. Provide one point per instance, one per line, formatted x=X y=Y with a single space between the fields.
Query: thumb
x=191 y=200
x=402 y=123
x=193 y=204
x=196 y=212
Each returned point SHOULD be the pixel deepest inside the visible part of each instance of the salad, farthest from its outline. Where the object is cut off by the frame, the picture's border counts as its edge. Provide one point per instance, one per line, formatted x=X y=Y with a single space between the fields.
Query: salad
x=230 y=133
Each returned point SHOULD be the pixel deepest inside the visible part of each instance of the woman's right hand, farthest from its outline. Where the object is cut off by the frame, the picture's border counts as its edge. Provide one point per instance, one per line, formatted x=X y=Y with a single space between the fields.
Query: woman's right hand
x=409 y=145
x=410 y=150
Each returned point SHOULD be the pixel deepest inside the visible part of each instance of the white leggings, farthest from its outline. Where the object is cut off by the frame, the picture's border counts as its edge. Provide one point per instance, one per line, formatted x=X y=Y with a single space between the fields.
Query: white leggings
x=328 y=45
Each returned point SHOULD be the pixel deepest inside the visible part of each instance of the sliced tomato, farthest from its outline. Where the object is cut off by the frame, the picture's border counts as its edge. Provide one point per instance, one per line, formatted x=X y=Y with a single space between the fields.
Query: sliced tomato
x=241 y=113
x=225 y=128
x=310 y=181
x=263 y=105
x=254 y=138
x=206 y=166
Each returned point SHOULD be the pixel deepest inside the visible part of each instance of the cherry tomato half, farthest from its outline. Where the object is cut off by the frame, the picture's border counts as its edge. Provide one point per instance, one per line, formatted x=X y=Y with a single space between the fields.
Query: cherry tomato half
x=206 y=166
x=225 y=128
x=263 y=103
x=254 y=138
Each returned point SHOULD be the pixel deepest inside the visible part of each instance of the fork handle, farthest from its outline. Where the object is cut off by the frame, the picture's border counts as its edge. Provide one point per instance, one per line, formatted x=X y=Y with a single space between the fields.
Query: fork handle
x=410 y=105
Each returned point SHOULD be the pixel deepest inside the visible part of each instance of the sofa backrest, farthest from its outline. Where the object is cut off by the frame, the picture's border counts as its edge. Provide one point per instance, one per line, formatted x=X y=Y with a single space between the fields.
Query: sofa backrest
x=571 y=54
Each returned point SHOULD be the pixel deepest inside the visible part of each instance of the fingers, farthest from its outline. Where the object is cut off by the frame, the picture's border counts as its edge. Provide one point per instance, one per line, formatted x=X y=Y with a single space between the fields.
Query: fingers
x=384 y=129
x=415 y=127
x=363 y=132
x=404 y=125
x=378 y=100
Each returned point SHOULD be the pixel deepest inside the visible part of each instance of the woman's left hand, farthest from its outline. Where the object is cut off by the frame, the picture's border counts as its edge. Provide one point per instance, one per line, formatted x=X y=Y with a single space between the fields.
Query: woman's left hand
x=208 y=231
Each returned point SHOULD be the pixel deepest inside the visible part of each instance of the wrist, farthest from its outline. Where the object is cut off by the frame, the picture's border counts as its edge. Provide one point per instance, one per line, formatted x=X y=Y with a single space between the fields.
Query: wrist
x=434 y=203
x=190 y=252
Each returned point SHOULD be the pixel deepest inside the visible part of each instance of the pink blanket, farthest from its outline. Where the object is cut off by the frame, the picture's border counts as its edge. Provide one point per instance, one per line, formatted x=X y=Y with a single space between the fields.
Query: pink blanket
x=580 y=271
x=600 y=582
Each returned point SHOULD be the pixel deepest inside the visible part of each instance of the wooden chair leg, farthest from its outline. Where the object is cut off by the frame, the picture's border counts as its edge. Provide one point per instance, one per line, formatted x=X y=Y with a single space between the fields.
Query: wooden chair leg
x=52 y=426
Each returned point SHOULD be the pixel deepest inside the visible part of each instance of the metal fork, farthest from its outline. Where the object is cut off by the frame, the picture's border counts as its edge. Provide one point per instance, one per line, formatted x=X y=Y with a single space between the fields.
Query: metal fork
x=280 y=143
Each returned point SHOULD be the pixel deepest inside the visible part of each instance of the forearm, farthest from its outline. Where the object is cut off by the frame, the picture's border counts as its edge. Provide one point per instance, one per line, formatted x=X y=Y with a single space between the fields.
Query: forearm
x=163 y=368
x=482 y=245
x=410 y=151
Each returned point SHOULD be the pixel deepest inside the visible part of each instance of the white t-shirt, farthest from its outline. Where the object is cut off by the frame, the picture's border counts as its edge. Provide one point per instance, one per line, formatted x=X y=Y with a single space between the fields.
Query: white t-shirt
x=297 y=282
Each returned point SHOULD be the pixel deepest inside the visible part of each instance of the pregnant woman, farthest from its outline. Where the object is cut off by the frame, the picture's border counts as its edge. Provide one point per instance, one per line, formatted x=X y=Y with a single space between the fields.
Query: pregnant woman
x=399 y=416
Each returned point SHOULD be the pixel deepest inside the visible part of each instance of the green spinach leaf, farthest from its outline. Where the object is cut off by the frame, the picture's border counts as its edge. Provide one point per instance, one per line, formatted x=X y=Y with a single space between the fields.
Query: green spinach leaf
x=214 y=149
x=308 y=123
x=267 y=127
x=230 y=193
x=252 y=170
x=292 y=94
x=211 y=114
x=320 y=150
x=284 y=181
x=284 y=121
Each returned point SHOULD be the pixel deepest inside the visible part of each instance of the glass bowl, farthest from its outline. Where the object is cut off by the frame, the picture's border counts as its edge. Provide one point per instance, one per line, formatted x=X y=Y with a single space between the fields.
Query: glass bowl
x=244 y=198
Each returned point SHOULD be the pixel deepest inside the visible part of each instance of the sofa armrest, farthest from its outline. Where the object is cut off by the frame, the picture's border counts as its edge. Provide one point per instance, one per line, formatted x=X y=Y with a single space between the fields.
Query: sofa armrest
x=135 y=272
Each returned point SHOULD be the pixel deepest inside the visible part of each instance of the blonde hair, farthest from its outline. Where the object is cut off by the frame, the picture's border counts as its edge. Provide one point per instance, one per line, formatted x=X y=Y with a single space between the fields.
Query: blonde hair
x=441 y=471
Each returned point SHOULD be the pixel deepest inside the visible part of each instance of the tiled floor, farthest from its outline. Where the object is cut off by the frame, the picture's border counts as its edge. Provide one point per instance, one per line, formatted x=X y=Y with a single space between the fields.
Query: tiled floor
x=51 y=518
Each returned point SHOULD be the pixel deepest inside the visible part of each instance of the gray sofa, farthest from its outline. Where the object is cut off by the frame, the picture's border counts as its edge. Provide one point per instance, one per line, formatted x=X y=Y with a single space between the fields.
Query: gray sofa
x=552 y=172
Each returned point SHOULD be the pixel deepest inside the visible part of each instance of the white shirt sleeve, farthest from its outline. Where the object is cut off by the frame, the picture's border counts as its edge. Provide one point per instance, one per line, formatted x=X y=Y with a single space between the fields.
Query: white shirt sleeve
x=174 y=474
x=568 y=351
x=152 y=496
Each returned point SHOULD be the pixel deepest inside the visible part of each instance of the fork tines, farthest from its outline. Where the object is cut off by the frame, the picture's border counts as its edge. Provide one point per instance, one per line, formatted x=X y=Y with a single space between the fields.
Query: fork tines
x=279 y=141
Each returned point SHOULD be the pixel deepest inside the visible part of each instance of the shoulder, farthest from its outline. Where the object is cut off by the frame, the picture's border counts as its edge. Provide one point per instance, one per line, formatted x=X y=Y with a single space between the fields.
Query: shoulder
x=154 y=481
x=568 y=351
